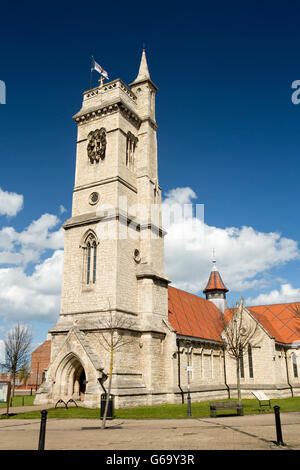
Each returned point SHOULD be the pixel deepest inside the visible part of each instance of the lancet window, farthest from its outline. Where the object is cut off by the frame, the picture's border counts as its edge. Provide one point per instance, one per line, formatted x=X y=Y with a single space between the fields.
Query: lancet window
x=295 y=366
x=131 y=142
x=250 y=361
x=242 y=369
x=90 y=258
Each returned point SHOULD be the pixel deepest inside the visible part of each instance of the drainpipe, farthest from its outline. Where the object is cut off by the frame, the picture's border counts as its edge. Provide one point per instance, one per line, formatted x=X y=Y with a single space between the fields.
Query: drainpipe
x=225 y=379
x=287 y=373
x=178 y=368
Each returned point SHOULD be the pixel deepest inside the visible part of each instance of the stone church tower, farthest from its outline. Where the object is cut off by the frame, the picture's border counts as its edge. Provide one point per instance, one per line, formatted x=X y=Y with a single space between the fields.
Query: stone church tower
x=114 y=271
x=114 y=254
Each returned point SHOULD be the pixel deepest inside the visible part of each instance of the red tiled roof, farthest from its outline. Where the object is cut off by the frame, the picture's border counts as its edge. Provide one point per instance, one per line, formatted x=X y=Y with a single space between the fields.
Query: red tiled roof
x=45 y=346
x=215 y=283
x=194 y=316
x=191 y=315
x=281 y=320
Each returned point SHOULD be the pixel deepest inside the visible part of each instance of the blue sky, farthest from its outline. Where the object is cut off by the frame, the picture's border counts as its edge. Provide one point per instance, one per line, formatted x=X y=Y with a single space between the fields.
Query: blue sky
x=228 y=137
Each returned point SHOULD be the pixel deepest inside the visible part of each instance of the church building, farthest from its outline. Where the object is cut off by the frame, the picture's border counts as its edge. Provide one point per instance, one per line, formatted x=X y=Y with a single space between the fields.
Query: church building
x=114 y=270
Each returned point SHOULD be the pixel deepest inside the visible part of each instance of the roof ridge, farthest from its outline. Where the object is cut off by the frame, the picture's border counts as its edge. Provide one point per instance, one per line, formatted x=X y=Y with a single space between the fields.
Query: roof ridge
x=280 y=303
x=187 y=292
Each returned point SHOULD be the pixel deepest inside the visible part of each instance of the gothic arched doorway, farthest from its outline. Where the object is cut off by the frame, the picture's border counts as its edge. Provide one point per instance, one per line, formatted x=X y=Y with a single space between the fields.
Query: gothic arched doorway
x=71 y=378
x=79 y=382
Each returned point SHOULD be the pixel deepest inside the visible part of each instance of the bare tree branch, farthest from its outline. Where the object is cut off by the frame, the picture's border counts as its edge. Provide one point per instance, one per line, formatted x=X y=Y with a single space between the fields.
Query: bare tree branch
x=295 y=309
x=112 y=339
x=17 y=346
x=239 y=333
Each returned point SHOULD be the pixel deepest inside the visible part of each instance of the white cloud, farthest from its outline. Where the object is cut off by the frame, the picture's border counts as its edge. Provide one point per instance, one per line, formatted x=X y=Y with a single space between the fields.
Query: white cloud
x=244 y=255
x=7 y=257
x=179 y=196
x=286 y=293
x=7 y=238
x=28 y=246
x=38 y=234
x=10 y=203
x=62 y=209
x=32 y=297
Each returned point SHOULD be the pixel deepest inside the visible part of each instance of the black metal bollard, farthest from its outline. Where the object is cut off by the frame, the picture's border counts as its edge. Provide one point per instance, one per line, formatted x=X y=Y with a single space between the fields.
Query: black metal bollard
x=189 y=408
x=42 y=430
x=279 y=441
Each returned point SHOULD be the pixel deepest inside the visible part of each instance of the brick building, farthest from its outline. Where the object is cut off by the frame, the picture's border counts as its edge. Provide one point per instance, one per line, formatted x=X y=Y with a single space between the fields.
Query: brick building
x=39 y=362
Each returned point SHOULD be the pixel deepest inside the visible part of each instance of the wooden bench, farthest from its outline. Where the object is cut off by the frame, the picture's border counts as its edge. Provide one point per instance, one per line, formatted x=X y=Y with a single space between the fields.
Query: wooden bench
x=224 y=405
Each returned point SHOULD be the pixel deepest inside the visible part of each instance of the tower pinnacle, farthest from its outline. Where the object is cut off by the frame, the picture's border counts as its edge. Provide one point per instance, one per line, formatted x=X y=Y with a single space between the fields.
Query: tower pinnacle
x=143 y=70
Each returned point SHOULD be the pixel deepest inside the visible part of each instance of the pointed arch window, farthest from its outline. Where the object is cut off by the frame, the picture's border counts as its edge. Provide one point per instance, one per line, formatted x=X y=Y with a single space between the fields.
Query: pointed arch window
x=295 y=366
x=131 y=142
x=242 y=370
x=250 y=361
x=90 y=258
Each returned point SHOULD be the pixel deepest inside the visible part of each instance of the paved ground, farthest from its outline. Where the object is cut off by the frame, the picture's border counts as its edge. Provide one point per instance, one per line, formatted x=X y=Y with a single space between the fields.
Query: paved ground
x=256 y=432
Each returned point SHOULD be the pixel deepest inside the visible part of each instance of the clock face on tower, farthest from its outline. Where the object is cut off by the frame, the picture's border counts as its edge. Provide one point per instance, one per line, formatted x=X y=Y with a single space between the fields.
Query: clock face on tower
x=96 y=145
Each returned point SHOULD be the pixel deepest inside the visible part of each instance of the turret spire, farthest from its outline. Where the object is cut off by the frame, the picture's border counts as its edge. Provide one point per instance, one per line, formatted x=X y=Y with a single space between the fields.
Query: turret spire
x=215 y=290
x=143 y=70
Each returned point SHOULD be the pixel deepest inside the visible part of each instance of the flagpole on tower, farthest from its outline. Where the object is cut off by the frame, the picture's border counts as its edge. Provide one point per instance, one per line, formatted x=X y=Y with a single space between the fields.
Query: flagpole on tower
x=99 y=69
x=91 y=71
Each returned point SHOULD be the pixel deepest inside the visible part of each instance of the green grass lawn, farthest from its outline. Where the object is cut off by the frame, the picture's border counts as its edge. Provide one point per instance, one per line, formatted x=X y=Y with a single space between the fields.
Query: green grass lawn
x=199 y=410
x=18 y=401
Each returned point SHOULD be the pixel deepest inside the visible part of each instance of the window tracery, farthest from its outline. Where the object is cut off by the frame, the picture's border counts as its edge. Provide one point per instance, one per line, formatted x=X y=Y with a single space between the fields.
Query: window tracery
x=90 y=258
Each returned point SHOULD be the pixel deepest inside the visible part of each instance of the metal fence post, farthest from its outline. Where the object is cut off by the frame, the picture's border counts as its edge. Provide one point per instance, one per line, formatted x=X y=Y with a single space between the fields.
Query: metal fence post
x=42 y=430
x=279 y=441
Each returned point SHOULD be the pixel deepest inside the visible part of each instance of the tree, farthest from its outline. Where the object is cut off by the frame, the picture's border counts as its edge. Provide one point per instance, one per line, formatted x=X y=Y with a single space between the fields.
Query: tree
x=112 y=339
x=17 y=348
x=295 y=309
x=239 y=331
x=294 y=324
x=24 y=373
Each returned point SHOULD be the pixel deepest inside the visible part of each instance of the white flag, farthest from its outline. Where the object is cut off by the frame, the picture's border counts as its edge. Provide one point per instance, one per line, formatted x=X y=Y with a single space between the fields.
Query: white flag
x=98 y=68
